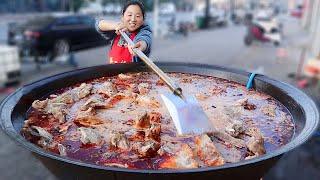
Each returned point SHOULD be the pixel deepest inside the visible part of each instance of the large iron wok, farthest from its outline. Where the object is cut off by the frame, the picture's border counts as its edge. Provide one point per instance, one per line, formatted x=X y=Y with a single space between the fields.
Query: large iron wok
x=13 y=111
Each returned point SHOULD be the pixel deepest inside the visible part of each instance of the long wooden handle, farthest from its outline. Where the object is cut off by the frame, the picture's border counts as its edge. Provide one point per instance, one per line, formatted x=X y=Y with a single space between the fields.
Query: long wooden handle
x=174 y=87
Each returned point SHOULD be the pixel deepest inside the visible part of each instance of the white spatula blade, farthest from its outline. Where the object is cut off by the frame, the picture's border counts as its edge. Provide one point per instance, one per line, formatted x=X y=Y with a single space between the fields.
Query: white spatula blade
x=187 y=114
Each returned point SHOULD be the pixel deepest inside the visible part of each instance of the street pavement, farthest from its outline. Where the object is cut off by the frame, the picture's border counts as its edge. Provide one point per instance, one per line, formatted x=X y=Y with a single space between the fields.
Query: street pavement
x=220 y=46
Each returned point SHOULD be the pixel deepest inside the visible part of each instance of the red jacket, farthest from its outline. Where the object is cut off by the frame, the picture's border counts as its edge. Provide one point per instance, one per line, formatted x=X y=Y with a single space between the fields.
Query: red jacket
x=119 y=52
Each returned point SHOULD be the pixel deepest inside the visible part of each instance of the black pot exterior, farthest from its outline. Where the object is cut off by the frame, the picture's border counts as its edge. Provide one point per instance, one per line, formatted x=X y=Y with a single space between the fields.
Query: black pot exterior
x=64 y=170
x=14 y=108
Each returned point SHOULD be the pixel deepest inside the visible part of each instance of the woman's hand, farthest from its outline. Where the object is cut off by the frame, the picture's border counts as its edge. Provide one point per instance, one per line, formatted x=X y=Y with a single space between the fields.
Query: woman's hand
x=141 y=45
x=120 y=27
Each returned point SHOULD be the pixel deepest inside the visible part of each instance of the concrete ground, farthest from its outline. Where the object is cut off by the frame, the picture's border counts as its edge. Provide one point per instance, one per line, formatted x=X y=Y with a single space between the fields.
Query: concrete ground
x=222 y=46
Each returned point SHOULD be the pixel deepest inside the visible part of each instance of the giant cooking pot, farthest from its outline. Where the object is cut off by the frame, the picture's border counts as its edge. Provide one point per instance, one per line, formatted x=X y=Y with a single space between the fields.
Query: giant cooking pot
x=13 y=112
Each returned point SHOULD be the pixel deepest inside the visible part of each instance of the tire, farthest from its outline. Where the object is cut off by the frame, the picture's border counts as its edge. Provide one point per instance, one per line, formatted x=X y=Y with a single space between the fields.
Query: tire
x=276 y=43
x=247 y=40
x=61 y=50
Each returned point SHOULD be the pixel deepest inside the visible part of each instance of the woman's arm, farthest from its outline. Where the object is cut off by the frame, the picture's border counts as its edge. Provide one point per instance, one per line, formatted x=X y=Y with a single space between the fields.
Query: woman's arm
x=144 y=35
x=104 y=25
x=108 y=29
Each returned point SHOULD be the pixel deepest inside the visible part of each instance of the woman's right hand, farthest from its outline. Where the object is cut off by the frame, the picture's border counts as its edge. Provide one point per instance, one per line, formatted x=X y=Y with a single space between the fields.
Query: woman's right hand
x=120 y=27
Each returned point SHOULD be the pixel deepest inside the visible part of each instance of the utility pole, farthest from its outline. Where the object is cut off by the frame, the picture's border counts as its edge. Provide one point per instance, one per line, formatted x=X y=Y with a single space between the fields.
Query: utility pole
x=155 y=18
x=207 y=14
x=232 y=6
x=71 y=8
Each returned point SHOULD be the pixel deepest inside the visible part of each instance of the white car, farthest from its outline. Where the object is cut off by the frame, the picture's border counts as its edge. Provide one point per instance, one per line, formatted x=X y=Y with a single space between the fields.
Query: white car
x=91 y=8
x=219 y=16
x=9 y=65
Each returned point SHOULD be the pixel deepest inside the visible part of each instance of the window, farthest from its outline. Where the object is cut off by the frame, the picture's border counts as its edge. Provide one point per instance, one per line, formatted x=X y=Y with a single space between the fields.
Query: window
x=86 y=20
x=68 y=21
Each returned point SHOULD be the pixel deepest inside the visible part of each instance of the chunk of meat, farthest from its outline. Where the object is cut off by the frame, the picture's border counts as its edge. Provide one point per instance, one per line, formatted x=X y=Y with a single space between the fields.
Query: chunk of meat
x=133 y=87
x=246 y=104
x=119 y=140
x=160 y=82
x=89 y=136
x=63 y=128
x=235 y=128
x=147 y=101
x=66 y=98
x=230 y=154
x=130 y=93
x=84 y=114
x=256 y=146
x=117 y=165
x=94 y=102
x=41 y=132
x=216 y=90
x=58 y=110
x=170 y=148
x=269 y=110
x=124 y=76
x=112 y=101
x=251 y=157
x=201 y=96
x=137 y=136
x=62 y=150
x=108 y=88
x=183 y=159
x=207 y=151
x=83 y=90
x=143 y=88
x=88 y=121
x=155 y=117
x=40 y=105
x=146 y=149
x=142 y=120
x=232 y=112
x=228 y=139
x=255 y=143
x=154 y=132
x=186 y=80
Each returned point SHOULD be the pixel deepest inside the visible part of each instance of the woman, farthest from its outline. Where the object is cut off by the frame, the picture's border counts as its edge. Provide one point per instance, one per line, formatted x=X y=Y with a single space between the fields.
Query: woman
x=132 y=22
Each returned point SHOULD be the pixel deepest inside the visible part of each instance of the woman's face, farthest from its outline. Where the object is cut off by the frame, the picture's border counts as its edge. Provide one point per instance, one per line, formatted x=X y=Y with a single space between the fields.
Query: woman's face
x=133 y=18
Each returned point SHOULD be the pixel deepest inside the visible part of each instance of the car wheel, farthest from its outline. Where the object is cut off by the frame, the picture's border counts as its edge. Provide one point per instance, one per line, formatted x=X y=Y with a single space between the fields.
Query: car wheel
x=276 y=43
x=61 y=50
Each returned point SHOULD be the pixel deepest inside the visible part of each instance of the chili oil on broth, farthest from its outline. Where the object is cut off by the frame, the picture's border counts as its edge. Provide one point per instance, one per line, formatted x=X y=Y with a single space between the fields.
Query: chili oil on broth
x=248 y=124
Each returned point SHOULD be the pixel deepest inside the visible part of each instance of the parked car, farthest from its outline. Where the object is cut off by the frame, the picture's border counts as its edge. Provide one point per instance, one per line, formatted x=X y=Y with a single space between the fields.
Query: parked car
x=219 y=16
x=51 y=37
x=238 y=16
x=10 y=68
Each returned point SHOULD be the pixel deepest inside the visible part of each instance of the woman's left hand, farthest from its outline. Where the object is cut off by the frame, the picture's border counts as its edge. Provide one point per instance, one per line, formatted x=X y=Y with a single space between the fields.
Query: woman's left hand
x=141 y=45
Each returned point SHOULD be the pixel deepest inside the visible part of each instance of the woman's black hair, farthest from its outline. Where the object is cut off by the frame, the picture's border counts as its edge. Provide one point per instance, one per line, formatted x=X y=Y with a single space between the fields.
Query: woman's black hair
x=134 y=2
